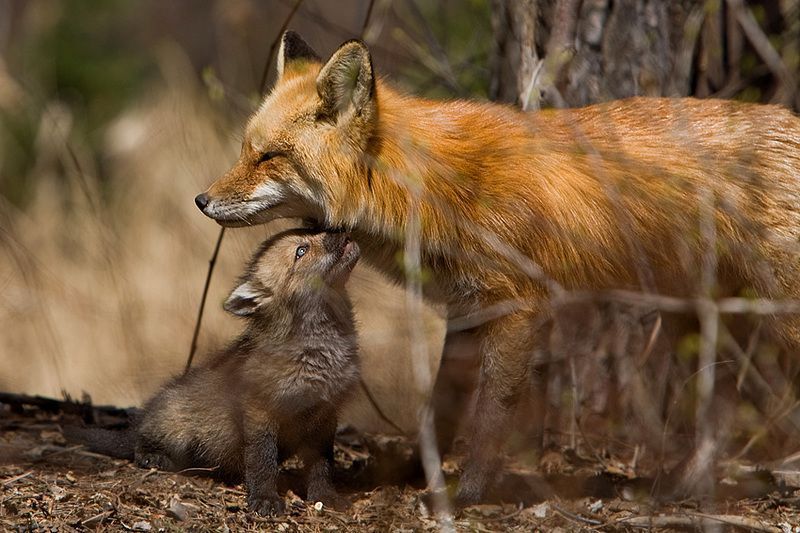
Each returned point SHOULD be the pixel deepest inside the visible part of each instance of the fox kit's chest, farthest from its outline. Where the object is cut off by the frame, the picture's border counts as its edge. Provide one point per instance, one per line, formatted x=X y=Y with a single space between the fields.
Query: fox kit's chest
x=300 y=378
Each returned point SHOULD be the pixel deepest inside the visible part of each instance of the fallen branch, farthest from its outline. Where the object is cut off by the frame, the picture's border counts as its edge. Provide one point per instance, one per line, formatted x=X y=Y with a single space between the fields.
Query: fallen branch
x=11 y=480
x=695 y=520
x=576 y=517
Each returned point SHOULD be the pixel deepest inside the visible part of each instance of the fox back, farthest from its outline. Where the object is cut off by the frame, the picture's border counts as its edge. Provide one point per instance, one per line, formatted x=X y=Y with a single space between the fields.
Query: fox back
x=605 y=196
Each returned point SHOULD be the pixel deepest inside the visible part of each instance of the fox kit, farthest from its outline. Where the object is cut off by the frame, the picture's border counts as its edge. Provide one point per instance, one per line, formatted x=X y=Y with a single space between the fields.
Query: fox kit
x=673 y=196
x=277 y=388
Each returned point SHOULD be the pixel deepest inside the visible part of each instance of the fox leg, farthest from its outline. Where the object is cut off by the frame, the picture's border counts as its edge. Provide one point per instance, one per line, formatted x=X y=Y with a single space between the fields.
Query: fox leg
x=507 y=346
x=318 y=460
x=455 y=384
x=261 y=463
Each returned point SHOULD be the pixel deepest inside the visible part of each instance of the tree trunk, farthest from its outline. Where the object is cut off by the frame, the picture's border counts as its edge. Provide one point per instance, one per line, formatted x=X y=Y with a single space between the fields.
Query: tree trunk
x=571 y=53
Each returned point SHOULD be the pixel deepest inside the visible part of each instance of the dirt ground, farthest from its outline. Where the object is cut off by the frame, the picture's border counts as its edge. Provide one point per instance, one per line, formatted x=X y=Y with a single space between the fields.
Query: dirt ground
x=49 y=484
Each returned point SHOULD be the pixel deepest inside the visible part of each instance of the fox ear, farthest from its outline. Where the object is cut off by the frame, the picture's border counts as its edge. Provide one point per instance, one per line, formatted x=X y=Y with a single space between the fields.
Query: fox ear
x=245 y=299
x=346 y=83
x=293 y=51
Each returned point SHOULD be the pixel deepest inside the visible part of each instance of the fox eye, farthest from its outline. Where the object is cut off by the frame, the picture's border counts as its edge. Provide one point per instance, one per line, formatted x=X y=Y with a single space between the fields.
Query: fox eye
x=266 y=156
x=300 y=252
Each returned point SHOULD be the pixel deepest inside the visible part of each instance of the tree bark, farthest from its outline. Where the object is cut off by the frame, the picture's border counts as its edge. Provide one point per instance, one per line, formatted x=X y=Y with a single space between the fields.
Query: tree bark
x=571 y=53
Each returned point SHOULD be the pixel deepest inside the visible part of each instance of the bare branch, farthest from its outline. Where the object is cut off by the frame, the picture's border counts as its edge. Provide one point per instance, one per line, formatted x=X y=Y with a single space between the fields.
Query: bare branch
x=270 y=56
x=211 y=263
x=367 y=18
x=762 y=45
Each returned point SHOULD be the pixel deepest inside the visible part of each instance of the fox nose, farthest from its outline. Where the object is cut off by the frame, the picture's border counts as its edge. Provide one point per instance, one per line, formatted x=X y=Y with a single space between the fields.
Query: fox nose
x=334 y=242
x=201 y=200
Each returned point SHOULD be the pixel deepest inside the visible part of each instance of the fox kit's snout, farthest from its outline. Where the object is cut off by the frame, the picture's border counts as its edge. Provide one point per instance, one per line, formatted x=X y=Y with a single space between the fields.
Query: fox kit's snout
x=344 y=254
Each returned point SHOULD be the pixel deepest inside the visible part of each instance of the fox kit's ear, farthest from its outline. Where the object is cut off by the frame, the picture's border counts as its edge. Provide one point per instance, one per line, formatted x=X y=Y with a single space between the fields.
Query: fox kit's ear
x=245 y=299
x=294 y=51
x=346 y=83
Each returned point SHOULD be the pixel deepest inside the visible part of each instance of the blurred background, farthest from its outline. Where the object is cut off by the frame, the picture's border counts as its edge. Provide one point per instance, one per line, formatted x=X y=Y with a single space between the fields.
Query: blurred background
x=115 y=114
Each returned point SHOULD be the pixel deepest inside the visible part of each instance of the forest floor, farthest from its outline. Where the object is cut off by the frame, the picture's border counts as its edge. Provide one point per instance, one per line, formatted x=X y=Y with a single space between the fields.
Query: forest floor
x=49 y=484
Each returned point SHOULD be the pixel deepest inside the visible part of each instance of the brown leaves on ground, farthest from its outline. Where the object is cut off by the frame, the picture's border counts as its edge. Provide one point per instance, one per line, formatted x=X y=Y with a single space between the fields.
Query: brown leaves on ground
x=50 y=485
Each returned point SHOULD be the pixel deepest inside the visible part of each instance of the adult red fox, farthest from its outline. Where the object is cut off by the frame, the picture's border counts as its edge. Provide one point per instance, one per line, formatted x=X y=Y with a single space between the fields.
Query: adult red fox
x=652 y=193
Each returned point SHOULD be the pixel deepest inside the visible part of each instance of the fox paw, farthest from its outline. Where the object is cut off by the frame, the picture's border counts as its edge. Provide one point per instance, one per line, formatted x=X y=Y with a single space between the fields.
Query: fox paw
x=155 y=460
x=470 y=492
x=269 y=505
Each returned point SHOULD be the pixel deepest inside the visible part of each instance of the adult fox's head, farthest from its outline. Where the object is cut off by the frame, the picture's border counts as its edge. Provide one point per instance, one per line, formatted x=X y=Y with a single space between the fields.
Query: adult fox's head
x=312 y=129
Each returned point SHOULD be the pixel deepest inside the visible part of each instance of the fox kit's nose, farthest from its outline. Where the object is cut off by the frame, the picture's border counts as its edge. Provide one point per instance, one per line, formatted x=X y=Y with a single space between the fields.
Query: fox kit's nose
x=201 y=200
x=335 y=242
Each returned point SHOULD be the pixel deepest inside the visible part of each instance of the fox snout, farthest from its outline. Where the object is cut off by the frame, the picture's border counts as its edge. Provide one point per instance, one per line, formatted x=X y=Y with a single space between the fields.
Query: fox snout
x=335 y=242
x=344 y=253
x=255 y=204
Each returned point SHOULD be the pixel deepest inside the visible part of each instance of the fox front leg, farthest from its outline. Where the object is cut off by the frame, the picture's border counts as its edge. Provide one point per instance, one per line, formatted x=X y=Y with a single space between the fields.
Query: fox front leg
x=506 y=345
x=261 y=473
x=319 y=463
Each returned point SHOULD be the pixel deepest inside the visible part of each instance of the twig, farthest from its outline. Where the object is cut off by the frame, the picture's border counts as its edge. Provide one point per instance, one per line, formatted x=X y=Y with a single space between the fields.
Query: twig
x=429 y=452
x=504 y=517
x=56 y=453
x=263 y=84
x=671 y=411
x=573 y=376
x=671 y=304
x=97 y=519
x=442 y=70
x=197 y=469
x=651 y=342
x=437 y=53
x=764 y=48
x=576 y=517
x=196 y=333
x=86 y=453
x=378 y=409
x=366 y=19
x=697 y=519
x=11 y=480
x=709 y=317
x=329 y=27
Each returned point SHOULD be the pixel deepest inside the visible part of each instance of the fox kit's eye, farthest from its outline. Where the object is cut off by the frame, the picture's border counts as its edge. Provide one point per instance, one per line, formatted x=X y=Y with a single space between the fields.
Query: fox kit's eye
x=266 y=156
x=300 y=252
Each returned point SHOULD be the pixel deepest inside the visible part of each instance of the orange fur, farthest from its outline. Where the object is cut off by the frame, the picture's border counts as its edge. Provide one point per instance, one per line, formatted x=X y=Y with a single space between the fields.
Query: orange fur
x=607 y=196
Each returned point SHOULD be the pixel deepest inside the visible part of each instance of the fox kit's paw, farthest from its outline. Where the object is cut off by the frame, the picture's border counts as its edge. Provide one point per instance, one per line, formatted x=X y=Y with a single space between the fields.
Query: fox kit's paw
x=155 y=460
x=470 y=492
x=266 y=505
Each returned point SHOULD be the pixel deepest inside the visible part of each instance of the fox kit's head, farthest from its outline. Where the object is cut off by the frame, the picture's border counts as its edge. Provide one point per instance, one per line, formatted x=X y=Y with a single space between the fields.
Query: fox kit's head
x=312 y=128
x=293 y=267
